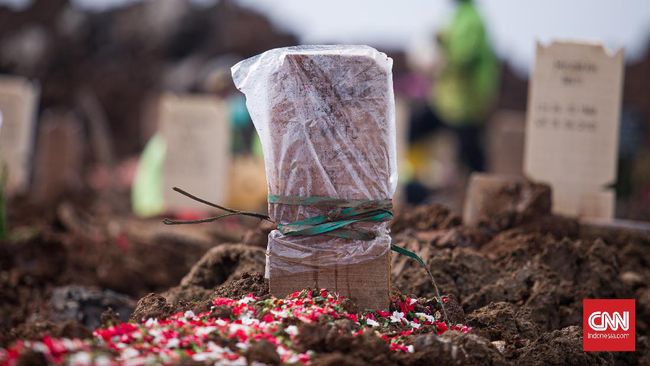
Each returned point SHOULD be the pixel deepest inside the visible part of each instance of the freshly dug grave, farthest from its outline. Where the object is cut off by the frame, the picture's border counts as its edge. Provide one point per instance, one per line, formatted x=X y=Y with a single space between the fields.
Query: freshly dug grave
x=519 y=287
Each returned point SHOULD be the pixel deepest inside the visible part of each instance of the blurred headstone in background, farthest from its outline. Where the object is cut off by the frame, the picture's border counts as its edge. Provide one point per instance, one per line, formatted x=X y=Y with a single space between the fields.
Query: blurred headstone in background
x=59 y=157
x=18 y=104
x=505 y=142
x=196 y=131
x=573 y=124
x=247 y=187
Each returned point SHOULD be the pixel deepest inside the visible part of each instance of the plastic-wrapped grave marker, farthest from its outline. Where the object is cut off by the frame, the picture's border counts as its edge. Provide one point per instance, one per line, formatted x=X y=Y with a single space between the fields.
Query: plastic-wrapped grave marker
x=325 y=116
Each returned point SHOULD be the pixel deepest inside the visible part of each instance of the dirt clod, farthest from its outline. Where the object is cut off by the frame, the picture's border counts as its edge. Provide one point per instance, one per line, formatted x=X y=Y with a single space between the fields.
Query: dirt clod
x=452 y=348
x=502 y=320
x=263 y=352
x=563 y=347
x=151 y=306
x=109 y=318
x=249 y=283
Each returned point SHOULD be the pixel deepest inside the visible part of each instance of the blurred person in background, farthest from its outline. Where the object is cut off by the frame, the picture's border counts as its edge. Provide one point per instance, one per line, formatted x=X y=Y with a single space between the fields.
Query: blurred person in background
x=459 y=100
x=466 y=86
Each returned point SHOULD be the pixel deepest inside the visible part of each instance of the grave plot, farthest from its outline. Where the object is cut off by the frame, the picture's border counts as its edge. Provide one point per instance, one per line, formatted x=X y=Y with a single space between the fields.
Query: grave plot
x=510 y=289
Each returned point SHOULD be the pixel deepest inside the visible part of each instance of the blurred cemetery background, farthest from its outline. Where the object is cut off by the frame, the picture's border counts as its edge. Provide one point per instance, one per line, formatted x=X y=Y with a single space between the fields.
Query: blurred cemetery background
x=107 y=74
x=107 y=104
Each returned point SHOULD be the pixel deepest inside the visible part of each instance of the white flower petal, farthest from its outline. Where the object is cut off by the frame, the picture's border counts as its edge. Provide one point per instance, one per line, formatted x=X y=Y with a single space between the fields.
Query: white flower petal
x=291 y=330
x=372 y=323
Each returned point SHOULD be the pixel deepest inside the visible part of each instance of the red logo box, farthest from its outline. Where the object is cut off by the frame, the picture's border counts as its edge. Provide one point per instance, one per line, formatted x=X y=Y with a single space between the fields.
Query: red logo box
x=608 y=325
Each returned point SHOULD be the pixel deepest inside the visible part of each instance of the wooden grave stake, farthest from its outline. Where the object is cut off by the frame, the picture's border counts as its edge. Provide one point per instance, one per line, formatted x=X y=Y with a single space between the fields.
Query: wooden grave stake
x=572 y=126
x=326 y=119
x=18 y=106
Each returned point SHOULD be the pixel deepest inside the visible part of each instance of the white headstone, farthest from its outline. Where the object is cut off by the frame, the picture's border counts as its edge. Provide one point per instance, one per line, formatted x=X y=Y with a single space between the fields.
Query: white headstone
x=18 y=105
x=197 y=134
x=572 y=125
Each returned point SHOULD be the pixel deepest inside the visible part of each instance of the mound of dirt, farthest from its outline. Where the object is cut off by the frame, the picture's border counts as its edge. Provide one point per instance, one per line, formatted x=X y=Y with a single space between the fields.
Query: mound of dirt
x=249 y=283
x=424 y=217
x=563 y=347
x=523 y=287
x=224 y=262
x=502 y=321
x=538 y=272
x=228 y=270
x=151 y=306
x=259 y=235
x=196 y=298
x=520 y=290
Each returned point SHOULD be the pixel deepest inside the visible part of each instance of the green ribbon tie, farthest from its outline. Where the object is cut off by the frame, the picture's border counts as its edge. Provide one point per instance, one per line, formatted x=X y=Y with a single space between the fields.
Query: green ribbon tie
x=337 y=220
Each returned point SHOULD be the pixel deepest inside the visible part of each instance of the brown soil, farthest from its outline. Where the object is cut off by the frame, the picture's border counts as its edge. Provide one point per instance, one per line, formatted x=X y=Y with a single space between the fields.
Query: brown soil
x=427 y=217
x=523 y=287
x=151 y=306
x=222 y=263
x=520 y=289
x=563 y=347
x=337 y=346
x=197 y=298
x=263 y=352
x=63 y=269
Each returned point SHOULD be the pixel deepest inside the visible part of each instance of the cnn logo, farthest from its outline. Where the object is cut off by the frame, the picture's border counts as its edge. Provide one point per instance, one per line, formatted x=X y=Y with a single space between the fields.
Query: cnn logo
x=608 y=325
x=602 y=320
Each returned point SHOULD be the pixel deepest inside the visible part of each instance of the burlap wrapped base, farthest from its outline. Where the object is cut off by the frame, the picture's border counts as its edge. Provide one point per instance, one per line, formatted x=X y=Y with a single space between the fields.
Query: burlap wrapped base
x=366 y=284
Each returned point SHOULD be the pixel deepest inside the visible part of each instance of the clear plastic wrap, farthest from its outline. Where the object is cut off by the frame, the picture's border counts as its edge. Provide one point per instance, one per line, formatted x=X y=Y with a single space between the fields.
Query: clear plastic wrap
x=326 y=119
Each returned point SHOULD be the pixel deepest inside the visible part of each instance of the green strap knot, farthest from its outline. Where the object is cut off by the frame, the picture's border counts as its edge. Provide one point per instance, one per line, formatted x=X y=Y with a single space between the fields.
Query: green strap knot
x=336 y=221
